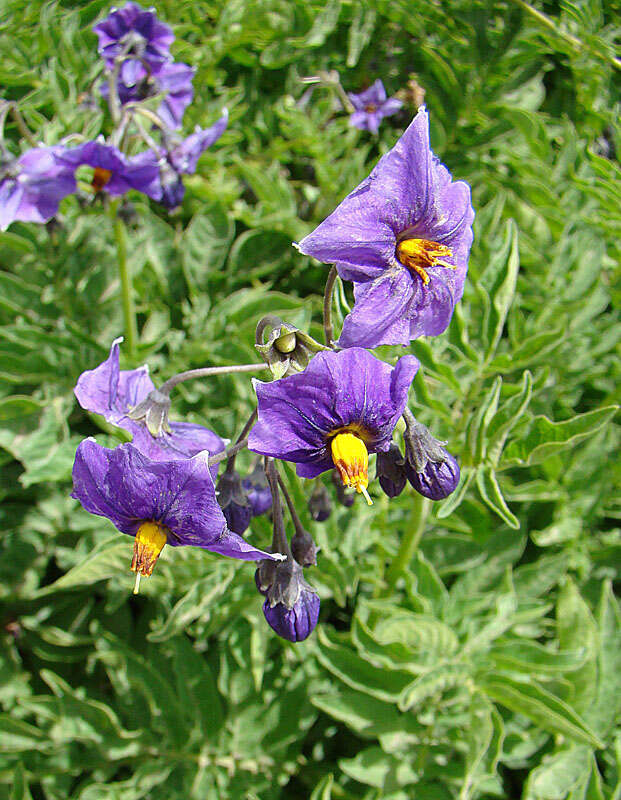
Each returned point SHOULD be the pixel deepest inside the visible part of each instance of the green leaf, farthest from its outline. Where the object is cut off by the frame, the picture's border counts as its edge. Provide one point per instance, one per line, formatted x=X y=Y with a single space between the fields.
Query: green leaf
x=108 y=559
x=559 y=774
x=492 y=495
x=500 y=280
x=355 y=672
x=20 y=789
x=18 y=737
x=360 y=32
x=382 y=770
x=546 y=438
x=442 y=678
x=576 y=628
x=509 y=413
x=479 y=735
x=531 y=657
x=323 y=790
x=540 y=706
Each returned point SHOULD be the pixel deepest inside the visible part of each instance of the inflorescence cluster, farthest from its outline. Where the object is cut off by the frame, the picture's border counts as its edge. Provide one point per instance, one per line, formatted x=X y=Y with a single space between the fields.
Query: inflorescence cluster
x=402 y=237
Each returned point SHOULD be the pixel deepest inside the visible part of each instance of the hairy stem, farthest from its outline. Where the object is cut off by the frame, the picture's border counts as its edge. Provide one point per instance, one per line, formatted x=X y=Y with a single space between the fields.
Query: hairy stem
x=328 y=331
x=409 y=543
x=280 y=542
x=127 y=293
x=297 y=524
x=206 y=372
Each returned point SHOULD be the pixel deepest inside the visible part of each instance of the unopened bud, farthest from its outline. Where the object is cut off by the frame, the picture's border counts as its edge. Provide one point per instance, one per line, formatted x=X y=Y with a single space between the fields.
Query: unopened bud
x=233 y=501
x=304 y=548
x=390 y=471
x=320 y=503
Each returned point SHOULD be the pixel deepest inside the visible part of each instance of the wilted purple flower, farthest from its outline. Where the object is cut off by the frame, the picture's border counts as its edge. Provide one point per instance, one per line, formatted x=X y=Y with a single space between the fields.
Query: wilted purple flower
x=112 y=392
x=390 y=471
x=157 y=502
x=32 y=186
x=403 y=236
x=258 y=491
x=371 y=106
x=341 y=407
x=131 y=31
x=181 y=158
x=291 y=606
x=113 y=172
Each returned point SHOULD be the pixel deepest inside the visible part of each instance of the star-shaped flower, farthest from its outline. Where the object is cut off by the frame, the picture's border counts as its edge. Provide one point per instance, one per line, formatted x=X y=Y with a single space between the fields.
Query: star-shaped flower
x=403 y=237
x=371 y=106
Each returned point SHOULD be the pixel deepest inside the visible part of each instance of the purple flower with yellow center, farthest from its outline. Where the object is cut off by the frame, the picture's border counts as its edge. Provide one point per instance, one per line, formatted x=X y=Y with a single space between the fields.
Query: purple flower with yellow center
x=156 y=502
x=342 y=407
x=403 y=237
x=181 y=158
x=32 y=186
x=113 y=172
x=371 y=106
x=113 y=393
x=135 y=33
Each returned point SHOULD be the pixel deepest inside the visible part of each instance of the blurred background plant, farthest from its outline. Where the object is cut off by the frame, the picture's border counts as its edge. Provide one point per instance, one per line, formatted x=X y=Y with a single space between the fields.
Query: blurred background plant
x=489 y=667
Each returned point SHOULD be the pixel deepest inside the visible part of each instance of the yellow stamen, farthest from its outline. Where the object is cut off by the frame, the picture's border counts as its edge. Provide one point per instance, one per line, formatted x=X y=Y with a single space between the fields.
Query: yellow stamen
x=351 y=459
x=420 y=254
x=148 y=544
x=101 y=177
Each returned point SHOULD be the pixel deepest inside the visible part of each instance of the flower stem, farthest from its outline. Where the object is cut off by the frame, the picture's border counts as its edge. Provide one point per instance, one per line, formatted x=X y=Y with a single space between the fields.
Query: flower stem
x=327 y=306
x=280 y=542
x=297 y=524
x=231 y=451
x=127 y=293
x=206 y=372
x=409 y=543
x=243 y=437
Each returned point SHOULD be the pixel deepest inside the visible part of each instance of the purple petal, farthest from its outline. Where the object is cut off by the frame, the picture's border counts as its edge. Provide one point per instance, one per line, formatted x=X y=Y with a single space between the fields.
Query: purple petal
x=358 y=119
x=379 y=314
x=431 y=307
x=232 y=545
x=184 y=157
x=297 y=623
x=11 y=194
x=391 y=106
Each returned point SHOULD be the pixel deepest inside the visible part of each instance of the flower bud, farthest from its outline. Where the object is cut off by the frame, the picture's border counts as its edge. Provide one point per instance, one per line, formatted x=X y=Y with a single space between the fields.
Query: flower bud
x=390 y=471
x=304 y=548
x=233 y=501
x=438 y=479
x=320 y=503
x=291 y=606
x=257 y=491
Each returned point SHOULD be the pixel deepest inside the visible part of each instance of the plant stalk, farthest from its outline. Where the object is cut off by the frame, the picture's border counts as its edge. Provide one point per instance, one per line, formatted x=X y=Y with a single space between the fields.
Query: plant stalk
x=411 y=540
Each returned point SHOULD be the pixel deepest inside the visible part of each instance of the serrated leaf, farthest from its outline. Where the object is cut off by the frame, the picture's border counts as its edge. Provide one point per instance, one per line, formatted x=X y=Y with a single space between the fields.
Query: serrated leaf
x=492 y=495
x=109 y=558
x=543 y=708
x=443 y=677
x=500 y=280
x=546 y=438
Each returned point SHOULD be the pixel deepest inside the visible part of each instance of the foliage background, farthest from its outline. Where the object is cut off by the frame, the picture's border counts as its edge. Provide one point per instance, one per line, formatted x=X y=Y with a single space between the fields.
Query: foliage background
x=491 y=670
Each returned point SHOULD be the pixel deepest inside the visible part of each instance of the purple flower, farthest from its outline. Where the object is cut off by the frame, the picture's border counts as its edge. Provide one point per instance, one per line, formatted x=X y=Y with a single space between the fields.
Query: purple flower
x=403 y=236
x=32 y=186
x=113 y=172
x=181 y=158
x=157 y=502
x=172 y=80
x=341 y=407
x=131 y=31
x=371 y=106
x=291 y=606
x=112 y=392
x=437 y=479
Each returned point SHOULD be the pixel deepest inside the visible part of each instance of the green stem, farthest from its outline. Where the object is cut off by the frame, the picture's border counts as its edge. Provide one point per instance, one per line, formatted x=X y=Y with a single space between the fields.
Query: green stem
x=127 y=293
x=409 y=543
x=327 y=306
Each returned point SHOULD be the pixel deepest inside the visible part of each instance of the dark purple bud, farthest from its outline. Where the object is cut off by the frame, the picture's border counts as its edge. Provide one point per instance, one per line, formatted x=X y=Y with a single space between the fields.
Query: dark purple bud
x=345 y=498
x=390 y=471
x=237 y=517
x=296 y=623
x=304 y=548
x=233 y=501
x=291 y=606
x=438 y=479
x=320 y=503
x=257 y=491
x=264 y=576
